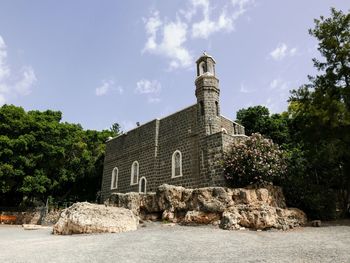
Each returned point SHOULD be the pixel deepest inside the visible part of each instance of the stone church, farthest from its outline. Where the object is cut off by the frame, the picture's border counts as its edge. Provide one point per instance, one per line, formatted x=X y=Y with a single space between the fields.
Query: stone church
x=183 y=148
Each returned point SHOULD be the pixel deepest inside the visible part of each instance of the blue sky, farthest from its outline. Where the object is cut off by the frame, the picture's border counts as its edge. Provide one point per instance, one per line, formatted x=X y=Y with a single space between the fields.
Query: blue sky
x=101 y=62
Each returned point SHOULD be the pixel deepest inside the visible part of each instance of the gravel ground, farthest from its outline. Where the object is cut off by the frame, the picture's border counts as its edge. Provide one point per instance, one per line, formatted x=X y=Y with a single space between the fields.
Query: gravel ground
x=160 y=243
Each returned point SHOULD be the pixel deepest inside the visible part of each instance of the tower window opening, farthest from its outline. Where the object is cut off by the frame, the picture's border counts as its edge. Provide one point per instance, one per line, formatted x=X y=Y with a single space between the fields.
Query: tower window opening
x=216 y=108
x=201 y=107
x=202 y=68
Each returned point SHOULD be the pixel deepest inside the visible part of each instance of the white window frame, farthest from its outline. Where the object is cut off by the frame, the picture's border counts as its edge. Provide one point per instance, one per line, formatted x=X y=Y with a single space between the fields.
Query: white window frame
x=224 y=130
x=173 y=164
x=114 y=181
x=140 y=185
x=132 y=173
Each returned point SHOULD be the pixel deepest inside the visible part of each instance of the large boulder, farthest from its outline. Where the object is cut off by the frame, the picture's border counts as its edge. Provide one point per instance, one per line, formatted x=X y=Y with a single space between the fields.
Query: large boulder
x=92 y=218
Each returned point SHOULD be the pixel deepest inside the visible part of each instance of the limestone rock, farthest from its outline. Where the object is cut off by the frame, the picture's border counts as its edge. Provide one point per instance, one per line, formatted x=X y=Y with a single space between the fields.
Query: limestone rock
x=168 y=216
x=199 y=217
x=231 y=208
x=51 y=218
x=91 y=218
x=172 y=196
x=293 y=217
x=130 y=201
x=262 y=217
x=230 y=220
x=31 y=227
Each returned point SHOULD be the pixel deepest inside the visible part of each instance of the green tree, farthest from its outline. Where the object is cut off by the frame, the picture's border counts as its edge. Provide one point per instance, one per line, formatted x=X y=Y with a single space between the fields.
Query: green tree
x=257 y=119
x=320 y=110
x=40 y=157
x=253 y=119
x=115 y=129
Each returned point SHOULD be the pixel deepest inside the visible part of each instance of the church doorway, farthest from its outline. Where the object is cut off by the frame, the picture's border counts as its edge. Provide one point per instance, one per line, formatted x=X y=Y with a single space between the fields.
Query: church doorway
x=142 y=185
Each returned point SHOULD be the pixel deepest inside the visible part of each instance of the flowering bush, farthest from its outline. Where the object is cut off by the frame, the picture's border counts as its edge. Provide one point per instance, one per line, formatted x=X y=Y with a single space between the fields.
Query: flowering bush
x=255 y=160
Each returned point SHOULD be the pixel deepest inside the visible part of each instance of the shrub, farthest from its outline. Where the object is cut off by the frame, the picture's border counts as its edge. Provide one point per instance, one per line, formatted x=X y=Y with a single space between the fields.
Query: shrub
x=256 y=160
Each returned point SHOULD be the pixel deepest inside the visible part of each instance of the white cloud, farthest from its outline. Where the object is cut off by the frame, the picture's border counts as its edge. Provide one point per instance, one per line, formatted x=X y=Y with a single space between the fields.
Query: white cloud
x=293 y=52
x=104 y=88
x=281 y=51
x=120 y=90
x=173 y=36
x=12 y=85
x=168 y=38
x=152 y=25
x=145 y=86
x=150 y=88
x=108 y=86
x=244 y=89
x=4 y=69
x=23 y=86
x=279 y=84
x=224 y=21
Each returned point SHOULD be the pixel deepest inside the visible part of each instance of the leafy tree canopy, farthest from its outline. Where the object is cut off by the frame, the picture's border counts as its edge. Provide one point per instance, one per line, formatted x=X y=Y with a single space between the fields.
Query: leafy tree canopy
x=40 y=156
x=258 y=119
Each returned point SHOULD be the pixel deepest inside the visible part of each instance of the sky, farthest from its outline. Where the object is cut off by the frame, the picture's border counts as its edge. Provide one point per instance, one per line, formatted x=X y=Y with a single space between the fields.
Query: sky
x=105 y=62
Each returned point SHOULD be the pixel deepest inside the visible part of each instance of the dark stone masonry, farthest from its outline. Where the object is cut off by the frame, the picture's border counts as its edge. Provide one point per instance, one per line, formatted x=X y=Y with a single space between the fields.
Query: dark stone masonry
x=181 y=149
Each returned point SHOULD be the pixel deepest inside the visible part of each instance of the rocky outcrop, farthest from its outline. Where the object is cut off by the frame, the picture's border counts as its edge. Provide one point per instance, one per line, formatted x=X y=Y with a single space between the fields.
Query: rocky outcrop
x=51 y=218
x=262 y=217
x=261 y=208
x=91 y=218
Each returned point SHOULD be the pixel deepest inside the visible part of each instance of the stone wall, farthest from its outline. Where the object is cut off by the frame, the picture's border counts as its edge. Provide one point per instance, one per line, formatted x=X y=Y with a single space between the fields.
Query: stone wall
x=232 y=128
x=136 y=145
x=214 y=169
x=179 y=131
x=152 y=145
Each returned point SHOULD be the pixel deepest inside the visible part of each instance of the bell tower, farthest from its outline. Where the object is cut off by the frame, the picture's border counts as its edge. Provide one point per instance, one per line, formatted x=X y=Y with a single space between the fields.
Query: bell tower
x=207 y=93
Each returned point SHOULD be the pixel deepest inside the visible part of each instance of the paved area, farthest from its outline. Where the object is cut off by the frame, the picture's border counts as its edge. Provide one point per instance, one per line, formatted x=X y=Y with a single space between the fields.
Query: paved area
x=159 y=243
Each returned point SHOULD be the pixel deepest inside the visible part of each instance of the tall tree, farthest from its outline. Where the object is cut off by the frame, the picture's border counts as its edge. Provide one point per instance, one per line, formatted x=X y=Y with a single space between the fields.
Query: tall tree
x=321 y=109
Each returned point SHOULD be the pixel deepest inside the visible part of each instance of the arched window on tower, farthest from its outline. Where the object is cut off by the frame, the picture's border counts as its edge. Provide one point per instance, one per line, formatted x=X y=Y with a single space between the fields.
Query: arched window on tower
x=134 y=173
x=176 y=169
x=216 y=108
x=202 y=68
